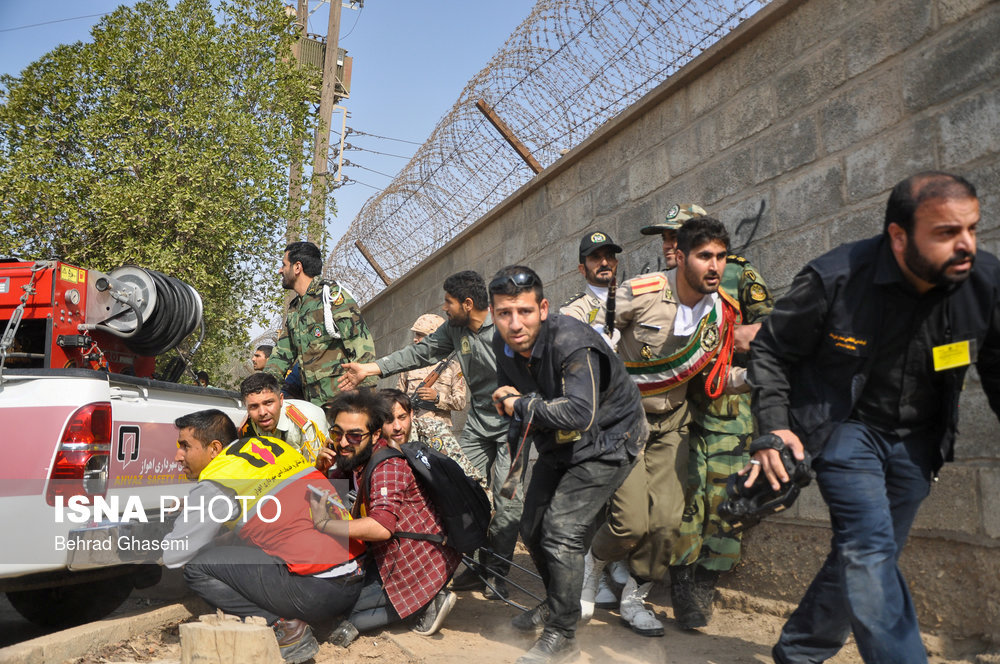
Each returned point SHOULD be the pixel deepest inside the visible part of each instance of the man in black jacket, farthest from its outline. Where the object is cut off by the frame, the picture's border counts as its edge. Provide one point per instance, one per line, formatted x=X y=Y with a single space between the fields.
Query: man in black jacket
x=571 y=392
x=863 y=361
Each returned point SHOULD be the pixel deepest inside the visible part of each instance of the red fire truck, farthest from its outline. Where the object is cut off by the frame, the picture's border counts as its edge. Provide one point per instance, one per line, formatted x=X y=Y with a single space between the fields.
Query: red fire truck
x=85 y=420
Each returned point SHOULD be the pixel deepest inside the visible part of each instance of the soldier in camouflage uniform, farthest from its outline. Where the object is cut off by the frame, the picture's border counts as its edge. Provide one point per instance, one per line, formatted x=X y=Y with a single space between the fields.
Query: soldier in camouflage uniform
x=323 y=328
x=720 y=432
x=599 y=266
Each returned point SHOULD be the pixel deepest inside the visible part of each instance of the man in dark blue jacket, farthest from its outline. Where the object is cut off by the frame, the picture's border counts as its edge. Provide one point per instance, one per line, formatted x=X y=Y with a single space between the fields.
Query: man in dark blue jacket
x=571 y=392
x=863 y=361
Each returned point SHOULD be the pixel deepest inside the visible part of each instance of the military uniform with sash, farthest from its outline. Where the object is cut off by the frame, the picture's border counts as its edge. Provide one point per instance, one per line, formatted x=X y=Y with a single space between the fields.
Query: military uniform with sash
x=323 y=329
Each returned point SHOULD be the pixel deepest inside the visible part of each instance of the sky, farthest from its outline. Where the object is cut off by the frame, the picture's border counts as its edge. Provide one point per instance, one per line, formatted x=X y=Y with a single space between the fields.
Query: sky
x=410 y=62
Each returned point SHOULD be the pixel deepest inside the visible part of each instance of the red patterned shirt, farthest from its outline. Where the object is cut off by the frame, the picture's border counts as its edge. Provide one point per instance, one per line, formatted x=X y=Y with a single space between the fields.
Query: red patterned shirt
x=412 y=571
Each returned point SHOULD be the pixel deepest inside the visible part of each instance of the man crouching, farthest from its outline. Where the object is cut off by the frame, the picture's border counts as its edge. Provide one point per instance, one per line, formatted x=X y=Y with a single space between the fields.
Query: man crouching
x=403 y=576
x=560 y=378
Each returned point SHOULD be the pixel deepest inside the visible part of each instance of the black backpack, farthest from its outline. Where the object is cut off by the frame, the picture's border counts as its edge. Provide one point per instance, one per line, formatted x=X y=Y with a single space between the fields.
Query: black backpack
x=459 y=500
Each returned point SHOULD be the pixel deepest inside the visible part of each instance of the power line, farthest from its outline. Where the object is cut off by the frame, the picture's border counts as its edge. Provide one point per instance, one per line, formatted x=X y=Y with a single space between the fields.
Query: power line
x=352 y=130
x=61 y=20
x=348 y=146
x=352 y=164
x=353 y=181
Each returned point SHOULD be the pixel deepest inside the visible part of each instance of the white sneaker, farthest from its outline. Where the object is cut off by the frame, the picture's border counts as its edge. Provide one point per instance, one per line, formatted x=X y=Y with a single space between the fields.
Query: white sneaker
x=634 y=612
x=593 y=572
x=618 y=570
x=606 y=598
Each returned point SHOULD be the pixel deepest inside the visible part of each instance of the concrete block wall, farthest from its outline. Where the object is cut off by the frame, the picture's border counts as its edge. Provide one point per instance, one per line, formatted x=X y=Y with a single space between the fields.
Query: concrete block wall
x=791 y=130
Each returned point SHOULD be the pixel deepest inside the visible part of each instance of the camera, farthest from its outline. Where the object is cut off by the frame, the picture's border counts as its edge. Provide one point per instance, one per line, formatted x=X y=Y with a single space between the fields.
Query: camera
x=744 y=507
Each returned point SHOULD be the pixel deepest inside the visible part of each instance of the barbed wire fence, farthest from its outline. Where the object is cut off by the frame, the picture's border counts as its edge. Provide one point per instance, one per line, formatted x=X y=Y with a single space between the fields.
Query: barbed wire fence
x=568 y=68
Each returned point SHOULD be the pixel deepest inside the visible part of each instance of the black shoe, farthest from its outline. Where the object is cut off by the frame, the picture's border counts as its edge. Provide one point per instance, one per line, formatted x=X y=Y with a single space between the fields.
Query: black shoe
x=704 y=590
x=431 y=619
x=468 y=579
x=498 y=590
x=682 y=597
x=295 y=640
x=551 y=648
x=343 y=635
x=533 y=620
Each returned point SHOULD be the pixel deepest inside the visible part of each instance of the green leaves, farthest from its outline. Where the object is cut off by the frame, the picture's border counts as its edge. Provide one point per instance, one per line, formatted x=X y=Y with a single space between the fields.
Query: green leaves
x=164 y=142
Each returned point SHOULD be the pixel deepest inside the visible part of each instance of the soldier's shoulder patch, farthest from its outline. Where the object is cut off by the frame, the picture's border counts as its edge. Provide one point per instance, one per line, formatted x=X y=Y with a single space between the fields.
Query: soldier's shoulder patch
x=749 y=275
x=339 y=300
x=648 y=283
x=296 y=415
x=572 y=299
x=757 y=292
x=733 y=258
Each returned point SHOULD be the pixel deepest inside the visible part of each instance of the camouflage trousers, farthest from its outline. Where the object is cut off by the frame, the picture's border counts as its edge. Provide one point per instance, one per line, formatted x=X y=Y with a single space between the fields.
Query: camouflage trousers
x=704 y=538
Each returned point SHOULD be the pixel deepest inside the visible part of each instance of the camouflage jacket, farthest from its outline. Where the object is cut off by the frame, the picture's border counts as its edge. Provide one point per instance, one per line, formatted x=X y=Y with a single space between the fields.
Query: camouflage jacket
x=730 y=413
x=321 y=355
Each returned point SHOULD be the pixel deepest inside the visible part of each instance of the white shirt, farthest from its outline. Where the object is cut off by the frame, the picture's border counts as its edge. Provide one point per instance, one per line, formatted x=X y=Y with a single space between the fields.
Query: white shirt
x=687 y=318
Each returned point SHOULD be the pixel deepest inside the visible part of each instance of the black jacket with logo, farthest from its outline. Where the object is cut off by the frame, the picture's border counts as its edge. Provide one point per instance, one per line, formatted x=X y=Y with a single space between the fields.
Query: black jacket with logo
x=813 y=356
x=581 y=402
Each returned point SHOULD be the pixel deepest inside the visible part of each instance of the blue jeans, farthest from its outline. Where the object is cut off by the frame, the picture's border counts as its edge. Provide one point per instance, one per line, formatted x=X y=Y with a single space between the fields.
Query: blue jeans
x=873 y=485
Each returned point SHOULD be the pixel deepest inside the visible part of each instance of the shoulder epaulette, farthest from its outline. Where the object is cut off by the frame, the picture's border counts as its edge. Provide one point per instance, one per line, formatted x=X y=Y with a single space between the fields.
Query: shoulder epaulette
x=649 y=283
x=739 y=260
x=572 y=299
x=296 y=416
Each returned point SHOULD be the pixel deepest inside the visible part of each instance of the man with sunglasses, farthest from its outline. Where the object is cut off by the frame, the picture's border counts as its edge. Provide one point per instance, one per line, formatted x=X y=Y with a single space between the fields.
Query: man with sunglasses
x=559 y=377
x=404 y=576
x=484 y=438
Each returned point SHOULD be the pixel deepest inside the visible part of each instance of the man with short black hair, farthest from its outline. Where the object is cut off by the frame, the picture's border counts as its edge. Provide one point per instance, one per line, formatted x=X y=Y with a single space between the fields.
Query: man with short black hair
x=283 y=569
x=402 y=427
x=559 y=377
x=672 y=325
x=299 y=423
x=323 y=327
x=484 y=438
x=403 y=575
x=260 y=356
x=863 y=360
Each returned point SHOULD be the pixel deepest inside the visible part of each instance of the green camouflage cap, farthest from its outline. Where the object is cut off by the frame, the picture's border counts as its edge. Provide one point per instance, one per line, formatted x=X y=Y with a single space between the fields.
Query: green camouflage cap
x=675 y=218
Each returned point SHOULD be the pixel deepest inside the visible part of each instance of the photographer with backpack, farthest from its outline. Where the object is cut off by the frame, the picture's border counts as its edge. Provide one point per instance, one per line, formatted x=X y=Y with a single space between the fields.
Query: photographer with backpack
x=409 y=563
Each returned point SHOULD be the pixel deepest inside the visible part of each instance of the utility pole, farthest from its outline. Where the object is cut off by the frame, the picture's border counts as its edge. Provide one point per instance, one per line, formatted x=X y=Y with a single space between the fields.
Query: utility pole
x=328 y=98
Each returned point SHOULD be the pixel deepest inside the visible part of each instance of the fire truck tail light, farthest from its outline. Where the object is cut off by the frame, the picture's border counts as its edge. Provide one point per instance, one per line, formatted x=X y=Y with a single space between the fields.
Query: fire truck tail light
x=81 y=463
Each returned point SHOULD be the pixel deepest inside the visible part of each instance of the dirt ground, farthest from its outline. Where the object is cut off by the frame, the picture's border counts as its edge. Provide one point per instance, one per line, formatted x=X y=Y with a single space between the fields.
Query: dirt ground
x=741 y=632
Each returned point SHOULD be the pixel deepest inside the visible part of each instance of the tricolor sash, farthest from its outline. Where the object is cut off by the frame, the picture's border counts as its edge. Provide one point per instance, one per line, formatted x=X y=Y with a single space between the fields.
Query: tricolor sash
x=662 y=374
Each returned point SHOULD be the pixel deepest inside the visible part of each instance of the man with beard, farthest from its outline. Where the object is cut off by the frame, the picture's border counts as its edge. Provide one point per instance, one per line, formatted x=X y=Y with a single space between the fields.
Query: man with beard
x=672 y=327
x=323 y=327
x=404 y=575
x=863 y=361
x=260 y=356
x=599 y=267
x=484 y=438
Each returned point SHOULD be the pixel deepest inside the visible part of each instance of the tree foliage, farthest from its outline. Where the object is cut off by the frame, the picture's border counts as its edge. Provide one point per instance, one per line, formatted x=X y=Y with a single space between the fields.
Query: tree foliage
x=165 y=143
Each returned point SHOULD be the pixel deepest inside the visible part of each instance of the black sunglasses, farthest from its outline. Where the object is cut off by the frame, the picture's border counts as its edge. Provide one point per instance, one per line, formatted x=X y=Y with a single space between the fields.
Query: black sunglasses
x=520 y=280
x=352 y=438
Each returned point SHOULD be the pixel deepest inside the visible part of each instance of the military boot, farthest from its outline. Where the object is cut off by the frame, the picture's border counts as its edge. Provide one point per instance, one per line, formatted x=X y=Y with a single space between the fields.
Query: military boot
x=687 y=611
x=704 y=589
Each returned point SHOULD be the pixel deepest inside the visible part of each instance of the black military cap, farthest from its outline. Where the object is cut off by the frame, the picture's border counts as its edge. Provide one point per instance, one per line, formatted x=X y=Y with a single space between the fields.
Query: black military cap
x=591 y=242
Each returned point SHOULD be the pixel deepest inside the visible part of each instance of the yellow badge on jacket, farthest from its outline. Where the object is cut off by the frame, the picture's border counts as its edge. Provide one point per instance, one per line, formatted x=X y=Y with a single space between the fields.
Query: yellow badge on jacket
x=950 y=356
